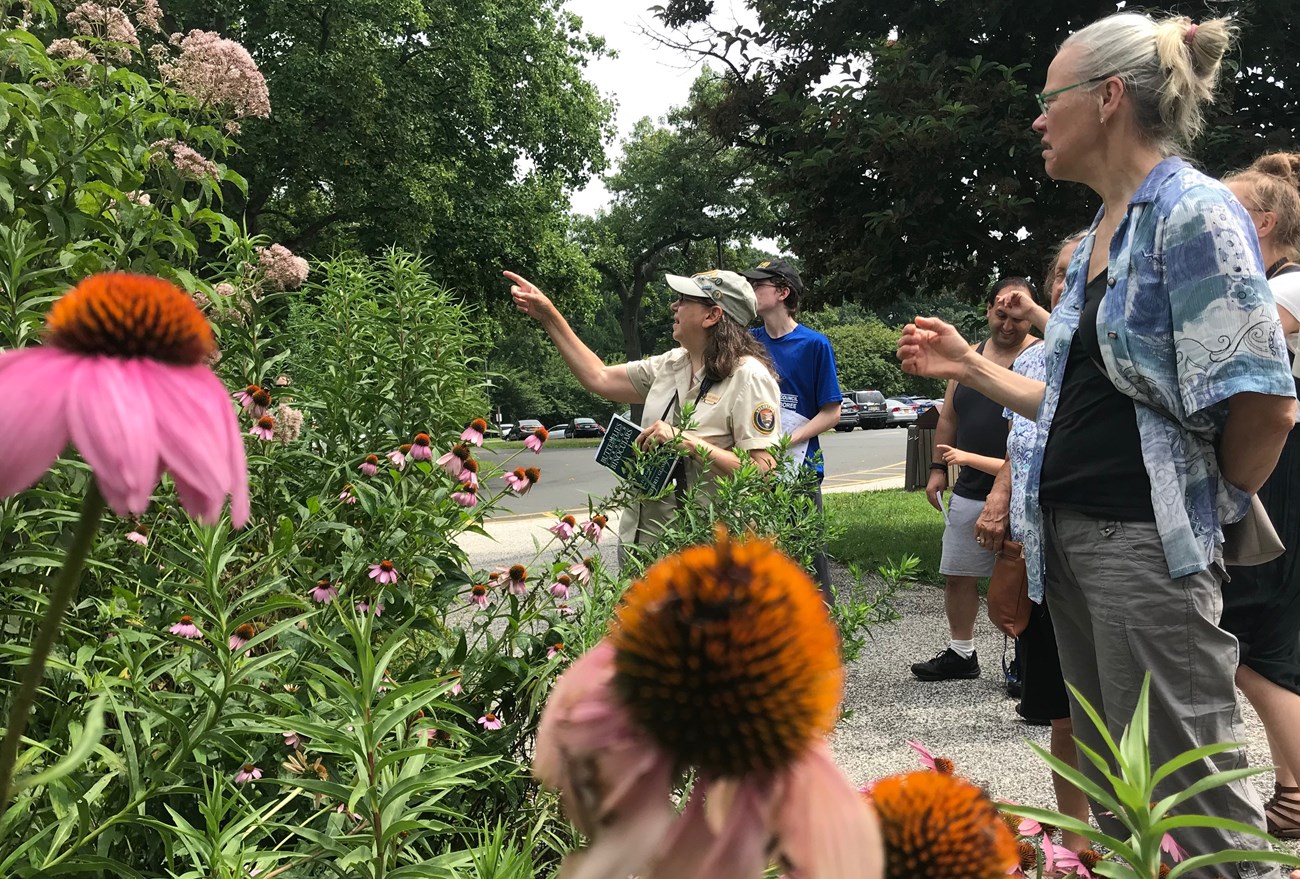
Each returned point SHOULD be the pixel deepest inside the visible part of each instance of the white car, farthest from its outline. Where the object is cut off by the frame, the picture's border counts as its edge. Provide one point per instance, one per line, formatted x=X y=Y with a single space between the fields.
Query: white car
x=559 y=431
x=898 y=412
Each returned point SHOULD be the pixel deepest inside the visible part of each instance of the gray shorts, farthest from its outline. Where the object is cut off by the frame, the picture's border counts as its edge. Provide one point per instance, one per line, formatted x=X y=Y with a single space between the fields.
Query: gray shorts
x=962 y=556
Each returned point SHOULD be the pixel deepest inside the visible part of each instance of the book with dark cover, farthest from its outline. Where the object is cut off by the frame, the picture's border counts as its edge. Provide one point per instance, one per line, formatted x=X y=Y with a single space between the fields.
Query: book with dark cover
x=618 y=453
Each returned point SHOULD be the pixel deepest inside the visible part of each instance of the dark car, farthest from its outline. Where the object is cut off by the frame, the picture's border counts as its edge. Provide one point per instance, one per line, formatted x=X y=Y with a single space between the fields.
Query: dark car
x=871 y=408
x=586 y=427
x=525 y=428
x=920 y=404
x=848 y=416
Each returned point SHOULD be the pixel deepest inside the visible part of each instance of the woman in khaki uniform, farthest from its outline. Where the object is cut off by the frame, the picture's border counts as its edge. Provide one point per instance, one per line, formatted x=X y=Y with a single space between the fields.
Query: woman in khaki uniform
x=719 y=368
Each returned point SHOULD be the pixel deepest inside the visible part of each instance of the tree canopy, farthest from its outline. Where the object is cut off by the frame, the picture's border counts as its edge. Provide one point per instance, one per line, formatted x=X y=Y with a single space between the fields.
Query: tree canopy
x=898 y=133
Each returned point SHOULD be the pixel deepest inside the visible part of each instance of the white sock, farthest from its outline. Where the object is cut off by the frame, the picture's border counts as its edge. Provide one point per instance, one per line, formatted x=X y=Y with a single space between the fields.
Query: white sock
x=964 y=649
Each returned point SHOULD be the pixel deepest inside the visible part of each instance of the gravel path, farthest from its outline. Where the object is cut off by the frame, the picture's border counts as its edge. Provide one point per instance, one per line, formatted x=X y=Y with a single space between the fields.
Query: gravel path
x=971 y=722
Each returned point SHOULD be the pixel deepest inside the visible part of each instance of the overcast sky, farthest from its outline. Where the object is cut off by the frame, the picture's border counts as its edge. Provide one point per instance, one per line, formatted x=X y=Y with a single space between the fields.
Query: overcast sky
x=644 y=80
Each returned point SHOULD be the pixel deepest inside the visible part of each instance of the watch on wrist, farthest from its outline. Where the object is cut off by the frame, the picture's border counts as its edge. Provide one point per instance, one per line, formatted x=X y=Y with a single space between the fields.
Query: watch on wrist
x=935 y=465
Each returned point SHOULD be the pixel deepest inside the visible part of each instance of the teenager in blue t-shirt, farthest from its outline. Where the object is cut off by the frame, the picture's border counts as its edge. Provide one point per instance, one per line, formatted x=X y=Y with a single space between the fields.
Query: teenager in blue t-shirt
x=810 y=389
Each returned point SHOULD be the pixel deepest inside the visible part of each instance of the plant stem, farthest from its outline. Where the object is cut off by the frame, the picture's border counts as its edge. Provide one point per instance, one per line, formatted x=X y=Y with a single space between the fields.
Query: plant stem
x=65 y=587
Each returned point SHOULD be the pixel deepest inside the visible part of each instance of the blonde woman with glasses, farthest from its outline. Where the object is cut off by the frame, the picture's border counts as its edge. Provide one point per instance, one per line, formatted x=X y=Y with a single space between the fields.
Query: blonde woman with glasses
x=1167 y=400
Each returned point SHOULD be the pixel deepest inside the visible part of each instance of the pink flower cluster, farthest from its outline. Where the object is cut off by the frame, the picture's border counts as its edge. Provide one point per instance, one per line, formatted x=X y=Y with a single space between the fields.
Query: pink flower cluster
x=110 y=23
x=70 y=49
x=282 y=269
x=218 y=72
x=188 y=162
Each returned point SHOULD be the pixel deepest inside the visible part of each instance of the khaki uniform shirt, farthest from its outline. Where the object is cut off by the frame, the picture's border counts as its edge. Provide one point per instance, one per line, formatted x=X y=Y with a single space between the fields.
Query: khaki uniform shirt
x=740 y=412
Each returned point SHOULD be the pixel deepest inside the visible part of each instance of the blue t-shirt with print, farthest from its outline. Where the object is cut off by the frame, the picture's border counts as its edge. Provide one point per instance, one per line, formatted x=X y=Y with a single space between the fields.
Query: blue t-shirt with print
x=805 y=365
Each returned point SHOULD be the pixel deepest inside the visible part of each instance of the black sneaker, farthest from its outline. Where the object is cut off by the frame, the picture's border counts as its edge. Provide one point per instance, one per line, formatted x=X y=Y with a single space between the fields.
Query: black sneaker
x=947 y=665
x=1032 y=721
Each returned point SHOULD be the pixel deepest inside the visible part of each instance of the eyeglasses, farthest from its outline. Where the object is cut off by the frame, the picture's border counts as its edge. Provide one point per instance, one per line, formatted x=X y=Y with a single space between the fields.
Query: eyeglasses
x=698 y=300
x=1042 y=99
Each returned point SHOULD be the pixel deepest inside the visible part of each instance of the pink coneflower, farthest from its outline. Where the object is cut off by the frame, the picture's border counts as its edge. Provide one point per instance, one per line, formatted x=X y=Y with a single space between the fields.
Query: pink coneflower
x=537 y=439
x=456 y=689
x=397 y=458
x=245 y=397
x=560 y=588
x=324 y=591
x=565 y=528
x=247 y=773
x=466 y=497
x=521 y=479
x=384 y=573
x=555 y=648
x=1081 y=863
x=929 y=761
x=454 y=461
x=370 y=466
x=363 y=607
x=420 y=450
x=517 y=580
x=117 y=347
x=478 y=595
x=348 y=495
x=241 y=636
x=490 y=721
x=185 y=628
x=474 y=433
x=581 y=571
x=261 y=403
x=291 y=739
x=263 y=428
x=1171 y=848
x=469 y=472
x=595 y=527
x=615 y=741
x=139 y=534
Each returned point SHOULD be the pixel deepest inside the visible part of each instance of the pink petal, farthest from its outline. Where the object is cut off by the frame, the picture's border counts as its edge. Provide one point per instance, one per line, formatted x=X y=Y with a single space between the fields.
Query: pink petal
x=626 y=840
x=689 y=841
x=827 y=829
x=113 y=424
x=201 y=444
x=34 y=386
x=741 y=815
x=927 y=759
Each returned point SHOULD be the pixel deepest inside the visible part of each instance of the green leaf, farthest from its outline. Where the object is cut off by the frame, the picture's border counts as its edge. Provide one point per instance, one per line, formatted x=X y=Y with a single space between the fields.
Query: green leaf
x=82 y=746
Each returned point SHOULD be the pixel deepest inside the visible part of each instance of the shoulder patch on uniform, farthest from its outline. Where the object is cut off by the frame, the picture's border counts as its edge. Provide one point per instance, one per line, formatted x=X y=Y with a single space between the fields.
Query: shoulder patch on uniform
x=765 y=417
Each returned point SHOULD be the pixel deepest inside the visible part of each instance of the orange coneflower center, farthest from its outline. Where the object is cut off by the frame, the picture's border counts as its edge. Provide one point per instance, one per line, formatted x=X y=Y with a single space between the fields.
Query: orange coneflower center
x=944 y=765
x=252 y=389
x=470 y=464
x=125 y=315
x=600 y=520
x=372 y=459
x=249 y=767
x=533 y=474
x=186 y=620
x=1089 y=858
x=261 y=397
x=404 y=448
x=478 y=589
x=268 y=423
x=1028 y=856
x=1164 y=871
x=569 y=520
x=460 y=450
x=385 y=566
x=941 y=825
x=245 y=631
x=558 y=646
x=421 y=439
x=542 y=434
x=490 y=717
x=517 y=572
x=565 y=579
x=727 y=657
x=478 y=424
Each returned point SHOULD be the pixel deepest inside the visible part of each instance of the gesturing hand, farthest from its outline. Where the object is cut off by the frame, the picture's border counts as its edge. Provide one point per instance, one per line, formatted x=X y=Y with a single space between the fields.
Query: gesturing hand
x=529 y=298
x=953 y=455
x=933 y=348
x=655 y=435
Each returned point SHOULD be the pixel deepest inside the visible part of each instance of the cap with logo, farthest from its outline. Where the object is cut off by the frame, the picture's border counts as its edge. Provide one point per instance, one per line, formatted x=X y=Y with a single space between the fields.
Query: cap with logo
x=776 y=268
x=726 y=289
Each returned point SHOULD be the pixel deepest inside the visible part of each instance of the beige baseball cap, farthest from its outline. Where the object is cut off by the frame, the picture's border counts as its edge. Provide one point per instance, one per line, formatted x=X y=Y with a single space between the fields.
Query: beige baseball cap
x=726 y=289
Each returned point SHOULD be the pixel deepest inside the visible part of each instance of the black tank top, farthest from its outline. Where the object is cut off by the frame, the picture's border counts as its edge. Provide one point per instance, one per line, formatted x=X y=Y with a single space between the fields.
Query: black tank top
x=981 y=430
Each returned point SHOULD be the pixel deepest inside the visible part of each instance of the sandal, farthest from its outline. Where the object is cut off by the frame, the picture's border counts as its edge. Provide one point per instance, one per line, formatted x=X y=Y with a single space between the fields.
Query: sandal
x=1282 y=812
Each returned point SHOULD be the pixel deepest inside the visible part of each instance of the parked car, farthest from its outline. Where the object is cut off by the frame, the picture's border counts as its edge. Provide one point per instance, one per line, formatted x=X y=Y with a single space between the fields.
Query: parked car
x=505 y=430
x=587 y=427
x=560 y=431
x=922 y=405
x=848 y=416
x=899 y=412
x=525 y=428
x=871 y=408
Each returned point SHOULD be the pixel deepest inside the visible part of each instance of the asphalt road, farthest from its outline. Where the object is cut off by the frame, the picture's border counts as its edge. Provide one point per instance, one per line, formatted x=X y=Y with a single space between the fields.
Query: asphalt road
x=570 y=475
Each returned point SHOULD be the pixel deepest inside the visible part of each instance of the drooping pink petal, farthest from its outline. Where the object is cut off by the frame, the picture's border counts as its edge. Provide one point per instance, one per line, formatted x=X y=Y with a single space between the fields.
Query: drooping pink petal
x=741 y=815
x=927 y=759
x=34 y=386
x=688 y=842
x=827 y=829
x=626 y=839
x=112 y=422
x=201 y=444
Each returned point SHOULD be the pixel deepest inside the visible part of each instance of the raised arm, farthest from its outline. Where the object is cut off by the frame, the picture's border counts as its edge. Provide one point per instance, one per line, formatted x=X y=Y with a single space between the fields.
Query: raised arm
x=610 y=382
x=933 y=348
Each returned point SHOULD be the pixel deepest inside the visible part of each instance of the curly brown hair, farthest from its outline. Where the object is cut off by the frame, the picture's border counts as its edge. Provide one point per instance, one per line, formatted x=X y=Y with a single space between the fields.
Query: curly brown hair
x=727 y=343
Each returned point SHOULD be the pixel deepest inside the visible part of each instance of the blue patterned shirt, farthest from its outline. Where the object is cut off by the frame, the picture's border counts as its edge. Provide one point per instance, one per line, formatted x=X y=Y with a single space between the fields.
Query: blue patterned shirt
x=1020 y=451
x=1188 y=322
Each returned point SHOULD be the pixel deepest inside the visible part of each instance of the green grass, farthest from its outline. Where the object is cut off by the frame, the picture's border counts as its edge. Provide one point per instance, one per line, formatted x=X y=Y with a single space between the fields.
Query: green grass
x=876 y=526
